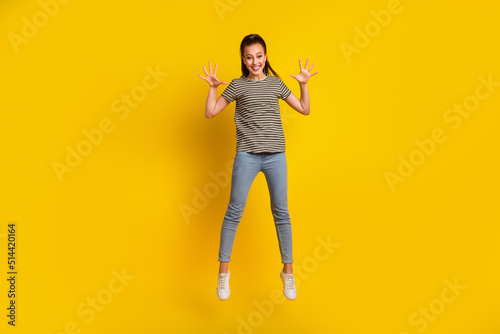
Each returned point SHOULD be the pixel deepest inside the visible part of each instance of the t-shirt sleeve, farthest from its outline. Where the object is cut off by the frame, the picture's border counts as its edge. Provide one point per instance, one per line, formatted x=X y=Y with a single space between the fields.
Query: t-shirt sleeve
x=230 y=92
x=284 y=91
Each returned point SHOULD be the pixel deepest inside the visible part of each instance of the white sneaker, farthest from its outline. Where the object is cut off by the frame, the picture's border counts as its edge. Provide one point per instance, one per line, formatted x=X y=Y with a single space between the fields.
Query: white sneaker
x=223 y=286
x=288 y=285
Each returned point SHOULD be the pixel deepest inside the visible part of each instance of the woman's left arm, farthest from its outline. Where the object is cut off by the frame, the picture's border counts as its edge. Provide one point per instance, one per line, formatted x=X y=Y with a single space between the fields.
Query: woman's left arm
x=302 y=105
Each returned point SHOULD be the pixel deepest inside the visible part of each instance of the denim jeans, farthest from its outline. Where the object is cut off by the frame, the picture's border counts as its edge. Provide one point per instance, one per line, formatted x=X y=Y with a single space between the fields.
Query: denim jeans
x=245 y=168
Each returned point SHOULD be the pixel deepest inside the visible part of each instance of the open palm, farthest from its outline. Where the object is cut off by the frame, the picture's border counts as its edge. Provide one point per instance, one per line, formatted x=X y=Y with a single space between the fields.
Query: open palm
x=212 y=77
x=304 y=74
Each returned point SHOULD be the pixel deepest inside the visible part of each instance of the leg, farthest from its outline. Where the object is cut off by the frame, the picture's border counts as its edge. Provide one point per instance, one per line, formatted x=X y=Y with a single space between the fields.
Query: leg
x=245 y=169
x=275 y=170
x=288 y=268
x=223 y=267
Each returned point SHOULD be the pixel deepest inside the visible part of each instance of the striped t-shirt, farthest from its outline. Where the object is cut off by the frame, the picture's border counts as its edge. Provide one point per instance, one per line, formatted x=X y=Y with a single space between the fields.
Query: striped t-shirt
x=257 y=113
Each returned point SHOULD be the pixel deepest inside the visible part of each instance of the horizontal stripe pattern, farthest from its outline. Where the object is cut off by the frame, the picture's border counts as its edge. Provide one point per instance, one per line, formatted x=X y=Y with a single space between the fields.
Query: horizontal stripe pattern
x=257 y=113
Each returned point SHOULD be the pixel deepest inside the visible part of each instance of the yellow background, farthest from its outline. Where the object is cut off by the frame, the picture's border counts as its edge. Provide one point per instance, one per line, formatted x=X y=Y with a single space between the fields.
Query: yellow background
x=120 y=208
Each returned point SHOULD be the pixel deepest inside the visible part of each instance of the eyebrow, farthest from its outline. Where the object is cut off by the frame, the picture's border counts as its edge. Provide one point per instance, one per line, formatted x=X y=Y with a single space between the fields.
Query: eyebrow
x=249 y=54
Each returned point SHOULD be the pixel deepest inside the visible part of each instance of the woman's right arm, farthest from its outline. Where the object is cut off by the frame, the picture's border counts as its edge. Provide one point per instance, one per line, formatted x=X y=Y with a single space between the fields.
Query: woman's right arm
x=213 y=106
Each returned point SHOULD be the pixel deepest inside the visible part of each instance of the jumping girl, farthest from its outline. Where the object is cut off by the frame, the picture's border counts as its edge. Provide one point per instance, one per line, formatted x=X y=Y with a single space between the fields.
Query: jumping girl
x=260 y=147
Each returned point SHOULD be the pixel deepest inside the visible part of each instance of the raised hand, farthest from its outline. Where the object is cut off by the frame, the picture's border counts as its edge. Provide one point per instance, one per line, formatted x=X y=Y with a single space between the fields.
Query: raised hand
x=304 y=74
x=212 y=77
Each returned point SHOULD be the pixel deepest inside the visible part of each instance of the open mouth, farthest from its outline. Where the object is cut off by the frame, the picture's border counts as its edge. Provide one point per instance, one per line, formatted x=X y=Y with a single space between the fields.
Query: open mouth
x=255 y=68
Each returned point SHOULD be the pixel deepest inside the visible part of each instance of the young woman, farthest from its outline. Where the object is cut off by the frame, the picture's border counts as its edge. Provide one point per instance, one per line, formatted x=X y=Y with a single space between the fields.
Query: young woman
x=260 y=146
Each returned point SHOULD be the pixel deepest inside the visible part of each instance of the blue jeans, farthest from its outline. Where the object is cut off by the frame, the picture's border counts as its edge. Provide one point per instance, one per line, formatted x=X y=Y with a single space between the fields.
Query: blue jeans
x=245 y=168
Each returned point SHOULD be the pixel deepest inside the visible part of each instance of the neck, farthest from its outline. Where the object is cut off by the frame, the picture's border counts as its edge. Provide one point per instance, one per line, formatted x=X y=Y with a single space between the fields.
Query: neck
x=256 y=77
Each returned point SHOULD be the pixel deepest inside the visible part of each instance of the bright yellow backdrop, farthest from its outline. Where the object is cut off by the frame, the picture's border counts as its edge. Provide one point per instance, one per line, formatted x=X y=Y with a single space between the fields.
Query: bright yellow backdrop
x=121 y=211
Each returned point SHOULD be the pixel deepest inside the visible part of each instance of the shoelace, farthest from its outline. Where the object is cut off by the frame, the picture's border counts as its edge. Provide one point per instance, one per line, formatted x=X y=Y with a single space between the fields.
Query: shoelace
x=223 y=283
x=289 y=282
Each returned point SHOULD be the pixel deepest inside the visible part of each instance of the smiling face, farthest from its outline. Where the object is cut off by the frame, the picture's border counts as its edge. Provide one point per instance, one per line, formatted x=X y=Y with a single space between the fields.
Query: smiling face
x=255 y=59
